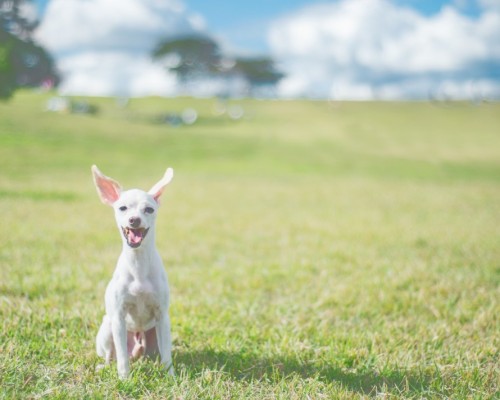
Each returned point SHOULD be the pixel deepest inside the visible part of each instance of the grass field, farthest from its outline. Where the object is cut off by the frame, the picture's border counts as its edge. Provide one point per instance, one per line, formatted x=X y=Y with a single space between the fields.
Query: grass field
x=314 y=250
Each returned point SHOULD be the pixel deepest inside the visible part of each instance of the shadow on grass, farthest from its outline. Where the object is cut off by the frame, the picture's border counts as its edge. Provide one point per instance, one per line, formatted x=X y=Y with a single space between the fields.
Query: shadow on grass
x=246 y=367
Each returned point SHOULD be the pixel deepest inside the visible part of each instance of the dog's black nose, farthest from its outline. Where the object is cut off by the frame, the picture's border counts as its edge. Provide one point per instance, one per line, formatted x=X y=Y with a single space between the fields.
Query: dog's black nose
x=134 y=222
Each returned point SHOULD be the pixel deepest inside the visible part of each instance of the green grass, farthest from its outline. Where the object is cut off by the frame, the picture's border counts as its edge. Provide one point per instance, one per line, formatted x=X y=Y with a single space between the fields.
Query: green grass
x=314 y=250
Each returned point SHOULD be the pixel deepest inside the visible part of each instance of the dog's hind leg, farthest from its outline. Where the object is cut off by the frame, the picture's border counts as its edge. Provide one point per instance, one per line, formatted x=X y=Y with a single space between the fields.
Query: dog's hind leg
x=104 y=342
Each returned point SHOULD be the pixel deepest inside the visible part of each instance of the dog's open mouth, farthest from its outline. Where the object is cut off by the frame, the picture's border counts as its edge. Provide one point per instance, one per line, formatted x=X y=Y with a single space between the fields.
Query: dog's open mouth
x=134 y=236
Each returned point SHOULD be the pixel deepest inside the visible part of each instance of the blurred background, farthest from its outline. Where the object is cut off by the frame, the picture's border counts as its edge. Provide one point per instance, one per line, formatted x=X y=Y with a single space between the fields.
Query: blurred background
x=341 y=50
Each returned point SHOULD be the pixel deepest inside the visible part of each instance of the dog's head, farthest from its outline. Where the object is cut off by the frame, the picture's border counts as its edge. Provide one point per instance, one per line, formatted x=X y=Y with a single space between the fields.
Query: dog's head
x=135 y=210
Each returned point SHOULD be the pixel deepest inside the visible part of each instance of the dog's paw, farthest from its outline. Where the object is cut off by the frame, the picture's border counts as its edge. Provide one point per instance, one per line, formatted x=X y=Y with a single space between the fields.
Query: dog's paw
x=169 y=367
x=123 y=373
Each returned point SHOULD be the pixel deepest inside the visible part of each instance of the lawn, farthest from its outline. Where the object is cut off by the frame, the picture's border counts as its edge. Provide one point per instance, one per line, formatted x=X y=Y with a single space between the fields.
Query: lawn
x=314 y=249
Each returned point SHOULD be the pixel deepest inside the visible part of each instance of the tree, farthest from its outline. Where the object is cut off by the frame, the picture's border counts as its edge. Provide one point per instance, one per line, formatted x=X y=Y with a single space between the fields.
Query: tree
x=23 y=63
x=190 y=57
x=197 y=57
x=258 y=71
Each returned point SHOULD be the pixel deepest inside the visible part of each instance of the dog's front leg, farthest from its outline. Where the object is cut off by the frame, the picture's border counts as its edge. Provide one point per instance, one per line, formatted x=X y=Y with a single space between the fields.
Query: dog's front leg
x=119 y=331
x=165 y=342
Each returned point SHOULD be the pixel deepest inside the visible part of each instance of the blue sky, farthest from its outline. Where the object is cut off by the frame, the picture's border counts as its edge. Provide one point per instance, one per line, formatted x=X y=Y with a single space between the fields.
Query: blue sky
x=338 y=49
x=243 y=25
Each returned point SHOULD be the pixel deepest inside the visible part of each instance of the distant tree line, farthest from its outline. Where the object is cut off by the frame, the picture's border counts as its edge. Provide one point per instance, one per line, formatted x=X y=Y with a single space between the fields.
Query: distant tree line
x=197 y=57
x=23 y=63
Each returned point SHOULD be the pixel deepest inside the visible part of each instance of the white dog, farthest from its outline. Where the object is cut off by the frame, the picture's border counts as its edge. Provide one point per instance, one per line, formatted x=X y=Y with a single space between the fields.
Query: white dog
x=137 y=297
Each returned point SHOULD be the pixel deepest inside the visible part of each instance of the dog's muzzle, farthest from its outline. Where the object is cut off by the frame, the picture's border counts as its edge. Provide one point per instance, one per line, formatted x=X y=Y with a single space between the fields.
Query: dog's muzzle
x=134 y=236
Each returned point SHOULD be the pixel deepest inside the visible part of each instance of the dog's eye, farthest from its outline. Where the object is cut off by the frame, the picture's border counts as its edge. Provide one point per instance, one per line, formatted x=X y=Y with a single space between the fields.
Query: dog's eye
x=123 y=208
x=149 y=210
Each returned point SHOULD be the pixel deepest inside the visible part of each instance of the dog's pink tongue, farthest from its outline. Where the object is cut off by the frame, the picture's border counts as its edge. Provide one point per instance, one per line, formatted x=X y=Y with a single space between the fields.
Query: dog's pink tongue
x=135 y=236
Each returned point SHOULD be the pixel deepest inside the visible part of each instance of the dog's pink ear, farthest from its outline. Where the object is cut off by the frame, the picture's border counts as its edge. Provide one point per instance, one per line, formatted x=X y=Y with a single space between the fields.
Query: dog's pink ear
x=158 y=188
x=108 y=189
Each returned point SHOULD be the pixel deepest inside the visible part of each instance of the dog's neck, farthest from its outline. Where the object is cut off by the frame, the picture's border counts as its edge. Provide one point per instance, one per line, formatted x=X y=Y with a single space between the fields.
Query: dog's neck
x=139 y=261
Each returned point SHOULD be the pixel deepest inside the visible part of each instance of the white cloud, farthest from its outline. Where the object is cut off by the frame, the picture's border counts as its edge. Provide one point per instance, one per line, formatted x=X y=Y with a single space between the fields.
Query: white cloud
x=362 y=49
x=115 y=73
x=102 y=47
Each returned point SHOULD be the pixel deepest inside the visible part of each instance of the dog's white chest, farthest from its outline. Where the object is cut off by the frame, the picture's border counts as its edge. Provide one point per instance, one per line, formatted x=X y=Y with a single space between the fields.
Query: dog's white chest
x=142 y=308
x=138 y=288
